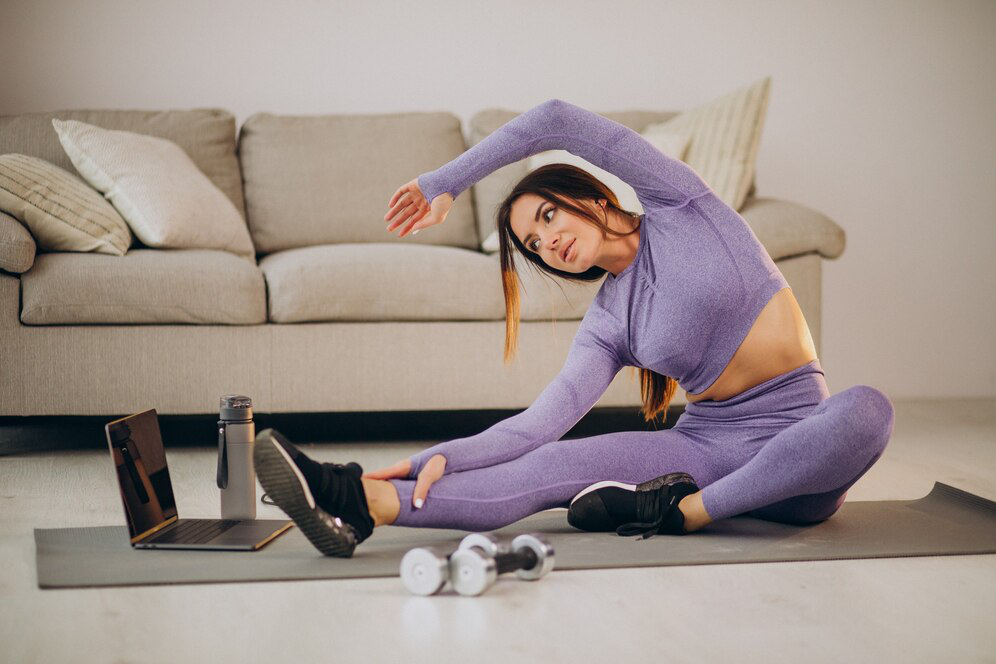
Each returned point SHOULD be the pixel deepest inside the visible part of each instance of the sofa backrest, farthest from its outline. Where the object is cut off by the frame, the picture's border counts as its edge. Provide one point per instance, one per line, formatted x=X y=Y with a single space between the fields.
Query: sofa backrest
x=206 y=135
x=327 y=179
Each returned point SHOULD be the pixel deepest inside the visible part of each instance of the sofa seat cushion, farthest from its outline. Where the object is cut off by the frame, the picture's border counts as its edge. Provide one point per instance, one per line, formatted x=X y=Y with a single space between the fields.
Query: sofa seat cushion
x=382 y=281
x=201 y=286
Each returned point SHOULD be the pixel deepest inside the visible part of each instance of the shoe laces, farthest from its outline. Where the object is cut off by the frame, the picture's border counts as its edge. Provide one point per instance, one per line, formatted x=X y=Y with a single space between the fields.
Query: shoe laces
x=333 y=489
x=652 y=508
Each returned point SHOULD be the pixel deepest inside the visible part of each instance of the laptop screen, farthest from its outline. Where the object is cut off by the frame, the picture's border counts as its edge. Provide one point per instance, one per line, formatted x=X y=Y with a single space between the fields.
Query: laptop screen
x=140 y=462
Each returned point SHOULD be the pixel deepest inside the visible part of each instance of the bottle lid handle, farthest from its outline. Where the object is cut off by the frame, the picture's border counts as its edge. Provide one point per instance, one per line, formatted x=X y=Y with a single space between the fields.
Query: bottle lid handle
x=222 y=478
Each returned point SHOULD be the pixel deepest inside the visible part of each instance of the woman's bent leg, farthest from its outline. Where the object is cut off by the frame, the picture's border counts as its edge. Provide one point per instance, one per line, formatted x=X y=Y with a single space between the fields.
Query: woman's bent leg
x=550 y=476
x=810 y=508
x=802 y=474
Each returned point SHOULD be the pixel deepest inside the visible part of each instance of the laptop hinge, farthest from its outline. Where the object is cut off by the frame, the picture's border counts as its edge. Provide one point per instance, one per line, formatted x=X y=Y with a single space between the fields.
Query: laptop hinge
x=138 y=538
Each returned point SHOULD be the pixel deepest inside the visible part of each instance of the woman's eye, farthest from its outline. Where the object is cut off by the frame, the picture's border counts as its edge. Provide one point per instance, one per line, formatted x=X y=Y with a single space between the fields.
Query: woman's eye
x=548 y=210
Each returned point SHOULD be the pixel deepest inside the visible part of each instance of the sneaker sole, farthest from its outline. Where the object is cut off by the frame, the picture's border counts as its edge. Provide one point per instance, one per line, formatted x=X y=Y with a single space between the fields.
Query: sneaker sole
x=650 y=485
x=283 y=482
x=602 y=485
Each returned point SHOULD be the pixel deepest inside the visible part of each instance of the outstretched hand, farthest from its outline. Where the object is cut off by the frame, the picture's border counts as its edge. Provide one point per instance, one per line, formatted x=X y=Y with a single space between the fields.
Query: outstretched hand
x=434 y=469
x=409 y=208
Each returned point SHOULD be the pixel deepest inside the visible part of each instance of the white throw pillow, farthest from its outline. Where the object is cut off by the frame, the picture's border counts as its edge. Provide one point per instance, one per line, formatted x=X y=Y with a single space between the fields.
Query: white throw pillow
x=726 y=133
x=672 y=144
x=166 y=200
x=62 y=212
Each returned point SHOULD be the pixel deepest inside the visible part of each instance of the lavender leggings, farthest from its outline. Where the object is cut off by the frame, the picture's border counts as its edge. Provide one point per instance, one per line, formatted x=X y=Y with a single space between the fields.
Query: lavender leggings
x=784 y=450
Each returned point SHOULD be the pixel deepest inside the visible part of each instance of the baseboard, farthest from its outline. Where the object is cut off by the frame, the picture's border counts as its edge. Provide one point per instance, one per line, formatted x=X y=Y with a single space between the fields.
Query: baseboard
x=35 y=434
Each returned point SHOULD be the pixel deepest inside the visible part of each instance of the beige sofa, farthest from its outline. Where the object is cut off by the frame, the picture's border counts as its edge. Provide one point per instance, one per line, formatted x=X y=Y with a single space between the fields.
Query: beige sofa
x=336 y=314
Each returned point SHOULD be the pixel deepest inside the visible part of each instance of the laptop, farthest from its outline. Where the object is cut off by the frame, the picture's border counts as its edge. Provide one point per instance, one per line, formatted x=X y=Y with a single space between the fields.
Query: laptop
x=140 y=465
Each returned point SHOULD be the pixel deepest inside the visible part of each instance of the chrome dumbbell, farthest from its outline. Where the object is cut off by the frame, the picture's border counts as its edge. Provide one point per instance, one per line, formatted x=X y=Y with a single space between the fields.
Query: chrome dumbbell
x=425 y=570
x=475 y=566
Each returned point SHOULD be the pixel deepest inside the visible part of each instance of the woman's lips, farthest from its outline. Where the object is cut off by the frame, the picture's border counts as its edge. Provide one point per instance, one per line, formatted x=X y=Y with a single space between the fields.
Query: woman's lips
x=570 y=250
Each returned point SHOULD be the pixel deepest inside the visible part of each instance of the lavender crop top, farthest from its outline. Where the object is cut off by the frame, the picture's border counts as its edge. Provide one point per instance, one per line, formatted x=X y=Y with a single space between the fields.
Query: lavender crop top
x=681 y=308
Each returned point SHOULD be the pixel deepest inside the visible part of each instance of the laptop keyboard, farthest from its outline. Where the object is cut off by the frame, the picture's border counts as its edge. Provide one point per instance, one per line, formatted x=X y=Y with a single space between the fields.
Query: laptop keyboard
x=193 y=531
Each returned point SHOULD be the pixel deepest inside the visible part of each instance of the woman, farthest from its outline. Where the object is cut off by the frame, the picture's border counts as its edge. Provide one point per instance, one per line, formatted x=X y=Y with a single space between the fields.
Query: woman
x=689 y=296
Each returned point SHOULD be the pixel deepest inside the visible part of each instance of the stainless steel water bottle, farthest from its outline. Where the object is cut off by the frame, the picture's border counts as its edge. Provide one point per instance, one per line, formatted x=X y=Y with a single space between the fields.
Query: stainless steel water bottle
x=236 y=475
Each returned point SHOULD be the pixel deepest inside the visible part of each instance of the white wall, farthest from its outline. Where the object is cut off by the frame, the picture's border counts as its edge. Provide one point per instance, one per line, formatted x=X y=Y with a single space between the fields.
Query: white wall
x=882 y=117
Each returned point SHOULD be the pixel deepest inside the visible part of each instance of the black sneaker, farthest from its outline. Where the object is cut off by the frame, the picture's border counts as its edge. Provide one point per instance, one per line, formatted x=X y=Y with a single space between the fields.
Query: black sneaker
x=326 y=501
x=649 y=508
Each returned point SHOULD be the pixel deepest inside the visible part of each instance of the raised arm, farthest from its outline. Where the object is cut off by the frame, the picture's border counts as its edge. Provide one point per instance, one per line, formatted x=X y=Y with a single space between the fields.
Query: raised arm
x=587 y=373
x=658 y=179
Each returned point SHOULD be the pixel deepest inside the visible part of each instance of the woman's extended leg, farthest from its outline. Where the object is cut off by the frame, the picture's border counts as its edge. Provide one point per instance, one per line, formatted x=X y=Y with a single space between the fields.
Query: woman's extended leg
x=549 y=476
x=802 y=474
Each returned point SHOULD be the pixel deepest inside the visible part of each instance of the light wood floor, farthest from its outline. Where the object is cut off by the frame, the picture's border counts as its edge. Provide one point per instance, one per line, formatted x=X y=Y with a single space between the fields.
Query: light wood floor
x=881 y=610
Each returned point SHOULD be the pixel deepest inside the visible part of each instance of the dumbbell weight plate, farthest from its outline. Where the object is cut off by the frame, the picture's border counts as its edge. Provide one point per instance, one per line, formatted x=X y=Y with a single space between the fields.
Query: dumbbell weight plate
x=472 y=573
x=424 y=571
x=485 y=541
x=544 y=555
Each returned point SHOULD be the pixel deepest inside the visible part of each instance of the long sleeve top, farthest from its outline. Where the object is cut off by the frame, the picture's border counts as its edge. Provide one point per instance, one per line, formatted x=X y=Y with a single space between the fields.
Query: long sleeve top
x=681 y=308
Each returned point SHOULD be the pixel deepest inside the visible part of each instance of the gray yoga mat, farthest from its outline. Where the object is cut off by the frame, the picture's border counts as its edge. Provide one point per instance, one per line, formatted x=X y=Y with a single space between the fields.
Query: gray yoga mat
x=946 y=522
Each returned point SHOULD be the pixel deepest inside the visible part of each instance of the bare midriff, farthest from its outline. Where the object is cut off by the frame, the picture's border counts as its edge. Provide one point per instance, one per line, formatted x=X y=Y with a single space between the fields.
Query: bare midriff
x=778 y=341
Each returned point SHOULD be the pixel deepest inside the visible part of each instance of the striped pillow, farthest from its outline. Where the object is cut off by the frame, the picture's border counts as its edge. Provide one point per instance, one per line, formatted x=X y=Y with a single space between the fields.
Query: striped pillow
x=62 y=211
x=725 y=135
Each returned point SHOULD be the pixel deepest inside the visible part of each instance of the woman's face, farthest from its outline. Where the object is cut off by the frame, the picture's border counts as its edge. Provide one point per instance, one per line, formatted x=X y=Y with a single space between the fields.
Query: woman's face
x=547 y=230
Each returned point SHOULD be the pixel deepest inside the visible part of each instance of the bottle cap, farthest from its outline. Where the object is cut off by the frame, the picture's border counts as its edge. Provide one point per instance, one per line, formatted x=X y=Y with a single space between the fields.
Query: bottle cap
x=236 y=407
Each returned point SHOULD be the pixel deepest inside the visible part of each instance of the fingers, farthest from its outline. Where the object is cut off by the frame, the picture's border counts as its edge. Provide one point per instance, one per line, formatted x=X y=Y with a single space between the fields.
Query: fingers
x=422 y=485
x=409 y=222
x=397 y=195
x=405 y=207
x=411 y=226
x=402 y=204
x=406 y=213
x=398 y=470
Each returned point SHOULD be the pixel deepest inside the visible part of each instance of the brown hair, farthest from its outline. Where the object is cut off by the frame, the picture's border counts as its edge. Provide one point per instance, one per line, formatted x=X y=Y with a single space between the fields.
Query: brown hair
x=566 y=186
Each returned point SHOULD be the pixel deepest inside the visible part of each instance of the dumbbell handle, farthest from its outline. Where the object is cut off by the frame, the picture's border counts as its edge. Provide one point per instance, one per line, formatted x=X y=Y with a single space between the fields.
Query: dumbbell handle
x=513 y=560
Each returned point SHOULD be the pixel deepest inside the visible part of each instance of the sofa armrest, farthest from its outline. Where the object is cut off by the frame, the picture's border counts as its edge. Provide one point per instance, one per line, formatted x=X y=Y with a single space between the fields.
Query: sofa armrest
x=789 y=229
x=17 y=245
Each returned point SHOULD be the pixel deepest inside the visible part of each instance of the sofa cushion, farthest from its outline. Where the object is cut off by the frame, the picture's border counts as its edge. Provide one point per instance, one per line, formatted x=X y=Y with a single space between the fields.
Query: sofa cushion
x=143 y=286
x=789 y=229
x=327 y=179
x=385 y=281
x=725 y=134
x=168 y=202
x=63 y=212
x=207 y=135
x=381 y=281
x=17 y=247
